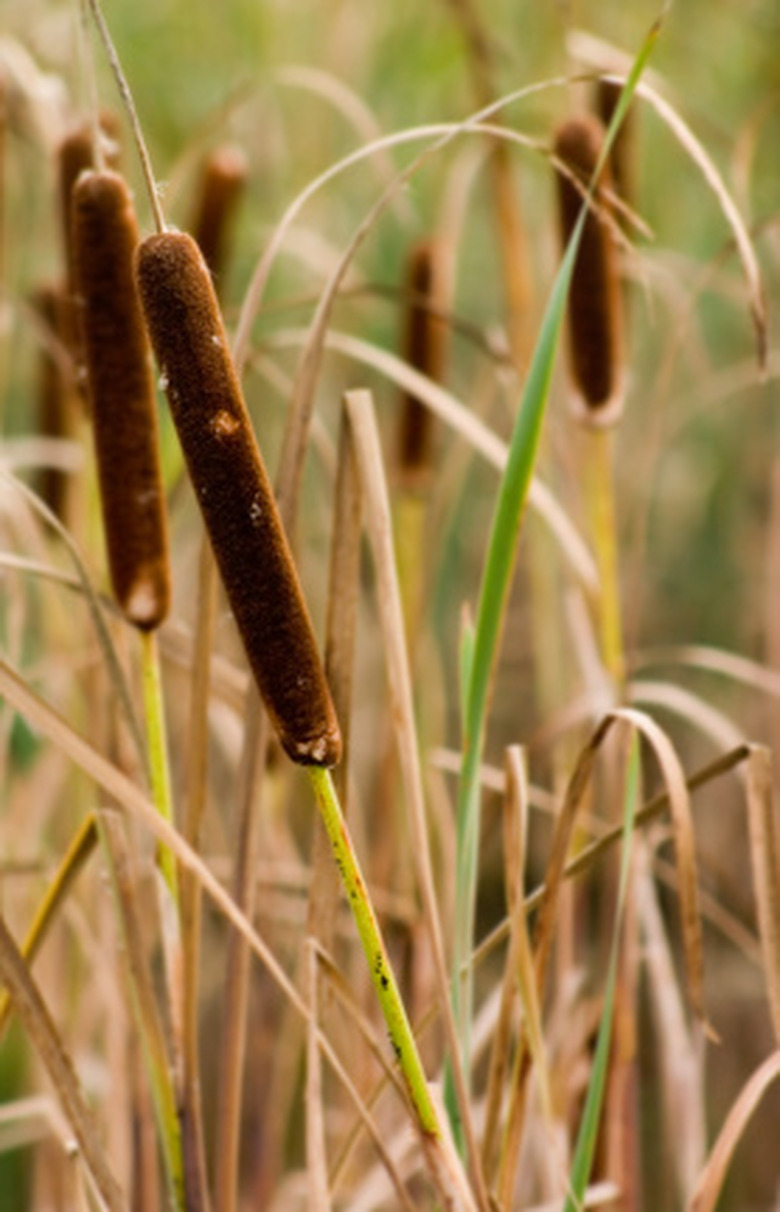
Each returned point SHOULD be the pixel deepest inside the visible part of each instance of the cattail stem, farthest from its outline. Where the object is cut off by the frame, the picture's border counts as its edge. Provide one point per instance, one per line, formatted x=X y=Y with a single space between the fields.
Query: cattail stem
x=129 y=104
x=601 y=506
x=391 y=1004
x=158 y=749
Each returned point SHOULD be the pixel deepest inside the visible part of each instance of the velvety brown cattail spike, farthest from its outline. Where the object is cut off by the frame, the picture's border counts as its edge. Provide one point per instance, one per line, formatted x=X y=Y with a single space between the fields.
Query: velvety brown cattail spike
x=56 y=412
x=595 y=337
x=424 y=341
x=222 y=183
x=622 y=156
x=76 y=155
x=122 y=394
x=235 y=495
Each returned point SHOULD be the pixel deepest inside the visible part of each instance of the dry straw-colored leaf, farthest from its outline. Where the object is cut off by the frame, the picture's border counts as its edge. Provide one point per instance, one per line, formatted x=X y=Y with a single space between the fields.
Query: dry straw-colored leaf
x=43 y=1034
x=711 y=1181
x=765 y=859
x=127 y=795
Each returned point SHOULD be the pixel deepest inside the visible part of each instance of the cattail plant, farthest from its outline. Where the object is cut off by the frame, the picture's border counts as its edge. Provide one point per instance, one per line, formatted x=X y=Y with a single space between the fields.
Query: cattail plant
x=56 y=413
x=595 y=336
x=122 y=393
x=424 y=348
x=622 y=155
x=222 y=183
x=235 y=495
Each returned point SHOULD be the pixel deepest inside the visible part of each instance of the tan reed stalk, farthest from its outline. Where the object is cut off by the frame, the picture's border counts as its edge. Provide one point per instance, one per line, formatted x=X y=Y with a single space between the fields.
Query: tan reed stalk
x=235 y=495
x=222 y=184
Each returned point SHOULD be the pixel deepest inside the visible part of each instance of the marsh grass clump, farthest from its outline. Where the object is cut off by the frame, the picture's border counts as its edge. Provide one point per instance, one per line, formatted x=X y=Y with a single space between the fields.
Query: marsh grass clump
x=122 y=394
x=235 y=496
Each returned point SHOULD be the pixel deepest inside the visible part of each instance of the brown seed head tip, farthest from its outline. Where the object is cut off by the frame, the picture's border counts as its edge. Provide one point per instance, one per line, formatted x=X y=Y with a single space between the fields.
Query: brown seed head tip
x=424 y=348
x=594 y=312
x=223 y=180
x=235 y=495
x=122 y=393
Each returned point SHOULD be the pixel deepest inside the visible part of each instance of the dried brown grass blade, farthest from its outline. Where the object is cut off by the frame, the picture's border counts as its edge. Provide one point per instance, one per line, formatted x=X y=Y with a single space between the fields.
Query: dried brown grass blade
x=316 y=1153
x=765 y=858
x=126 y=794
x=360 y=412
x=479 y=436
x=45 y=1038
x=682 y=825
x=711 y=1180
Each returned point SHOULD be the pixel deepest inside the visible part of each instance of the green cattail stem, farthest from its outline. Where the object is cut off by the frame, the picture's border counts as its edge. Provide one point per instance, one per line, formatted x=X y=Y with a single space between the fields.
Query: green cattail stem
x=600 y=494
x=158 y=749
x=399 y=1030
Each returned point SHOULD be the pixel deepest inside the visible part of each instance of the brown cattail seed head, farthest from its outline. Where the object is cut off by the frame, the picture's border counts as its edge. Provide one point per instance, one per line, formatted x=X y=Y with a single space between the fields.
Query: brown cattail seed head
x=122 y=394
x=595 y=337
x=56 y=411
x=76 y=155
x=222 y=183
x=424 y=340
x=622 y=156
x=235 y=495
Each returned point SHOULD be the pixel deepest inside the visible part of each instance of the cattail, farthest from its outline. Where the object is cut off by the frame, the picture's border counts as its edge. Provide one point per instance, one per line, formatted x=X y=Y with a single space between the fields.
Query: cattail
x=594 y=299
x=424 y=348
x=122 y=394
x=622 y=156
x=235 y=495
x=76 y=155
x=222 y=183
x=56 y=413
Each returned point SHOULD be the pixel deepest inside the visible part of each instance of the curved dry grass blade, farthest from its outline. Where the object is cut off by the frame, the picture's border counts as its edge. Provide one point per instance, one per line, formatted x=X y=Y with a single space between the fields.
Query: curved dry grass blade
x=682 y=825
x=479 y=436
x=353 y=108
x=690 y=707
x=765 y=858
x=593 y=52
x=108 y=651
x=360 y=411
x=129 y=797
x=715 y=660
x=712 y=1178
x=45 y=1038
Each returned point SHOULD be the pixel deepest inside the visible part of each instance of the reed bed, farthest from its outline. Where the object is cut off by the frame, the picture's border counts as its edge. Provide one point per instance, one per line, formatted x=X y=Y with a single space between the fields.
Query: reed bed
x=389 y=647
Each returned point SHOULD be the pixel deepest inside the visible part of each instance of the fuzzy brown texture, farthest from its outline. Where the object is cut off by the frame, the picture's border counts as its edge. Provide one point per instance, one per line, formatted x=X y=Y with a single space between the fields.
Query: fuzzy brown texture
x=424 y=342
x=122 y=395
x=622 y=156
x=76 y=155
x=222 y=184
x=595 y=338
x=56 y=411
x=235 y=496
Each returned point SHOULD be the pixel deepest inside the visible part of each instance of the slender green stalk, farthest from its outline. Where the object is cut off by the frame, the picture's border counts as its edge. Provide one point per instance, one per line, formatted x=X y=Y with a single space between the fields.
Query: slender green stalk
x=496 y=579
x=399 y=1029
x=158 y=750
x=600 y=492
x=79 y=850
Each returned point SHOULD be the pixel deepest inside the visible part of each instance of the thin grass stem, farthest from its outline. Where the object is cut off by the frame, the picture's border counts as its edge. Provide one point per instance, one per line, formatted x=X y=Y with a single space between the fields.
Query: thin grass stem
x=390 y=1001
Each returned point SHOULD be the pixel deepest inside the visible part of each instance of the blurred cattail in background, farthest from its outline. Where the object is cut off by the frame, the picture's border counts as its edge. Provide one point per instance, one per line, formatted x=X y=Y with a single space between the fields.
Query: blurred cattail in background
x=56 y=395
x=75 y=155
x=222 y=183
x=594 y=312
x=424 y=348
x=235 y=495
x=622 y=155
x=122 y=394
